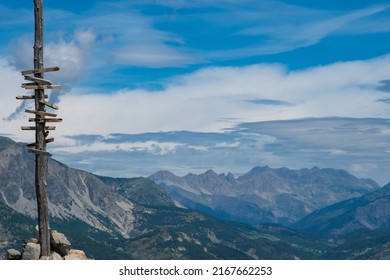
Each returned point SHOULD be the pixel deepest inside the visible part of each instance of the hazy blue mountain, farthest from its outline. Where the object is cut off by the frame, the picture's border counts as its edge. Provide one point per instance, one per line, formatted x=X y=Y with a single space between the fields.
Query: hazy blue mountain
x=263 y=194
x=369 y=212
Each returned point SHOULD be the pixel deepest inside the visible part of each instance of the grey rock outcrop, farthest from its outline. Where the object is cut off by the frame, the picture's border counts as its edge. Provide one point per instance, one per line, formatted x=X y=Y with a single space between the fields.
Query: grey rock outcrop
x=76 y=255
x=55 y=256
x=60 y=250
x=59 y=243
x=31 y=251
x=13 y=254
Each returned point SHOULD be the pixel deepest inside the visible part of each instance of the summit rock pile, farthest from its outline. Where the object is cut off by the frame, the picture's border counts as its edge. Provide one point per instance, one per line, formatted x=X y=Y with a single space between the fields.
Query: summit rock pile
x=60 y=249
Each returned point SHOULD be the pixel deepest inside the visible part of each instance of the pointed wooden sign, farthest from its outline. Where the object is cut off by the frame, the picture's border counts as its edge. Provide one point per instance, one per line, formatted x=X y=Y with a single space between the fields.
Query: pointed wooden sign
x=38 y=80
x=42 y=70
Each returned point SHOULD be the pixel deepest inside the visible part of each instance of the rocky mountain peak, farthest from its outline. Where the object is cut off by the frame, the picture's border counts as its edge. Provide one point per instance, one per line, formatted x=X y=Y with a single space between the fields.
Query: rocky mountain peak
x=166 y=177
x=210 y=172
x=164 y=174
x=282 y=194
x=229 y=177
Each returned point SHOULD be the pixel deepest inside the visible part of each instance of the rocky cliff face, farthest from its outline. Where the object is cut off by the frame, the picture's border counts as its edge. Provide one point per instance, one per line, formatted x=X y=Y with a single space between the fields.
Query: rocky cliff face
x=263 y=194
x=72 y=194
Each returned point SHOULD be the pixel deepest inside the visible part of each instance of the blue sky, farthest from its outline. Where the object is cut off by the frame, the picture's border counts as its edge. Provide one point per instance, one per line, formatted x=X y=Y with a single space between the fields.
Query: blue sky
x=194 y=85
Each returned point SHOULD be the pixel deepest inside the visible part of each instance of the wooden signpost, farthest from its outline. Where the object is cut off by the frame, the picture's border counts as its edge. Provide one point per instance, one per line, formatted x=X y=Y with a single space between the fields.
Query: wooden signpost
x=38 y=83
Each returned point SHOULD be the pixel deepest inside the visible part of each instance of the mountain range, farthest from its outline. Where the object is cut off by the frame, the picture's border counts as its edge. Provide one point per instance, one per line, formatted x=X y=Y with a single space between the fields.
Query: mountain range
x=121 y=218
x=118 y=218
x=263 y=195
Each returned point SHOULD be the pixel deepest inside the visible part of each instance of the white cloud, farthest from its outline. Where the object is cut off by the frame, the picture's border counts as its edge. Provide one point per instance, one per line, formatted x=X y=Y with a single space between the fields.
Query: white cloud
x=337 y=152
x=73 y=56
x=10 y=80
x=199 y=148
x=215 y=98
x=152 y=147
x=227 y=145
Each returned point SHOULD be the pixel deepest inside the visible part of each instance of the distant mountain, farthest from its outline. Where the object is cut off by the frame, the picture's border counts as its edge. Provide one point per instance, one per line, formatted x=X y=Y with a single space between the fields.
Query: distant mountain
x=263 y=194
x=139 y=190
x=5 y=143
x=369 y=212
x=117 y=218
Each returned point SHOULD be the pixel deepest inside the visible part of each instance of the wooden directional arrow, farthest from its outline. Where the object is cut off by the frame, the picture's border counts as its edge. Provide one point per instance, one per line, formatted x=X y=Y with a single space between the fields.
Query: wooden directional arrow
x=55 y=107
x=41 y=113
x=40 y=152
x=42 y=70
x=42 y=120
x=25 y=86
x=34 y=128
x=38 y=80
x=28 y=97
x=33 y=145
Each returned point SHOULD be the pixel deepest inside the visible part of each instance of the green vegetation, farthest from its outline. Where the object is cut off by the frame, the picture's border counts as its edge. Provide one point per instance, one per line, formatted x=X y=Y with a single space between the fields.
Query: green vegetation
x=14 y=228
x=173 y=233
x=361 y=245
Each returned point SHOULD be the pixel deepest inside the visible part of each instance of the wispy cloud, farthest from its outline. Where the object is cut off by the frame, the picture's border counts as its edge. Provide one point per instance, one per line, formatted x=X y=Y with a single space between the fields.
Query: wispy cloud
x=152 y=147
x=384 y=85
x=129 y=38
x=269 y=102
x=358 y=145
x=193 y=32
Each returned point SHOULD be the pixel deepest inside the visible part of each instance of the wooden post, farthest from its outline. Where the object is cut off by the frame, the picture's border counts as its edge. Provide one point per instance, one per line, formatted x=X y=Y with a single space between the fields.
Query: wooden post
x=39 y=84
x=40 y=158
